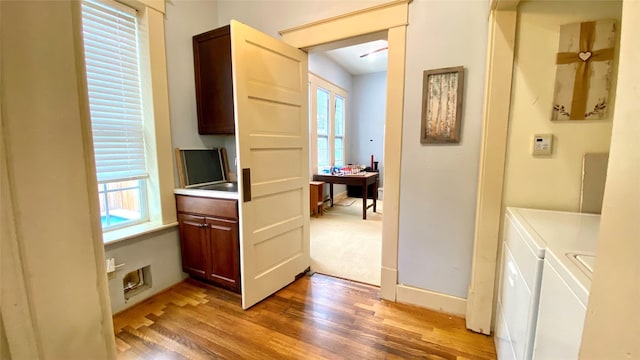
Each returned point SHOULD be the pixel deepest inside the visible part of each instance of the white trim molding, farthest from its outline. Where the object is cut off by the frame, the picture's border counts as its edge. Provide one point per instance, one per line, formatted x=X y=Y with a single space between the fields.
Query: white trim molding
x=388 y=280
x=357 y=23
x=158 y=125
x=500 y=55
x=158 y=5
x=504 y=4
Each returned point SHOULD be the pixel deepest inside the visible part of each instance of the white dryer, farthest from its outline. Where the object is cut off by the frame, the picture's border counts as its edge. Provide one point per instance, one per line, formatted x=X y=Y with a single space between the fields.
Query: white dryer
x=521 y=266
x=528 y=236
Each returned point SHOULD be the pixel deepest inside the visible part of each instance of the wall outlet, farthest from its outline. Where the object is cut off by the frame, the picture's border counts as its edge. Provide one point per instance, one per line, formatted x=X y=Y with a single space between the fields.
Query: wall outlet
x=111 y=265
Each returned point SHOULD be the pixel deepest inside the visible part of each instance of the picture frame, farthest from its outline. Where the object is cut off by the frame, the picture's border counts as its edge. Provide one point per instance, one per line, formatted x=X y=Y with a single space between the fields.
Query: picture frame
x=442 y=91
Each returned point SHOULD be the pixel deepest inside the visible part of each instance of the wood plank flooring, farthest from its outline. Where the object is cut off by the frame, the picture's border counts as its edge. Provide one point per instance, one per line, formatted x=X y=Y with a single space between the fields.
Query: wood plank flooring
x=316 y=317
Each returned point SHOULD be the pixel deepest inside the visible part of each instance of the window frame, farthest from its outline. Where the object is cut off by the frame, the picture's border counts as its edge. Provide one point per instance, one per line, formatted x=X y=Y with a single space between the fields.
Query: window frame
x=113 y=174
x=157 y=126
x=335 y=126
x=103 y=193
x=316 y=82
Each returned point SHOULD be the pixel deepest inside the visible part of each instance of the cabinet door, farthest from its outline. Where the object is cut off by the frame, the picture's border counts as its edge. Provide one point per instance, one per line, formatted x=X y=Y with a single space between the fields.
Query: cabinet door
x=224 y=267
x=192 y=244
x=214 y=84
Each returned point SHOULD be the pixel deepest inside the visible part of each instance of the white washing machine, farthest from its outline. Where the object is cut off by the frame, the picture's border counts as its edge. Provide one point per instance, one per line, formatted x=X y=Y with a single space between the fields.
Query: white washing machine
x=564 y=293
x=528 y=233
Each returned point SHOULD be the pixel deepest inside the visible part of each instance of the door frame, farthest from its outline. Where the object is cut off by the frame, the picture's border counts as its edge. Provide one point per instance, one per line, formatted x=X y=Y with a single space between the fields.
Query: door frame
x=493 y=151
x=391 y=17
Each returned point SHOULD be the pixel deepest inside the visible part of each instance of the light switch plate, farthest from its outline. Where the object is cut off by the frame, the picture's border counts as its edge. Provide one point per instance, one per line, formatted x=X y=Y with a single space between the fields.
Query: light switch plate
x=542 y=144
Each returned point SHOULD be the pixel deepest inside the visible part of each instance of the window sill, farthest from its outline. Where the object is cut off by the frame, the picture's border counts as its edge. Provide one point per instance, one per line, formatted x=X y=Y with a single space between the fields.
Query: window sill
x=115 y=236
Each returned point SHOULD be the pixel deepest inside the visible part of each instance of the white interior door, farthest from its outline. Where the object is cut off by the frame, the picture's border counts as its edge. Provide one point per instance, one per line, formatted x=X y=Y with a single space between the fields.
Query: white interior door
x=272 y=132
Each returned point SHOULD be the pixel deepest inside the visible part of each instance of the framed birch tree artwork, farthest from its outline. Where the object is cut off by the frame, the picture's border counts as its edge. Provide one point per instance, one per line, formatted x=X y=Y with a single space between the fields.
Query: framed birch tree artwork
x=442 y=105
x=583 y=70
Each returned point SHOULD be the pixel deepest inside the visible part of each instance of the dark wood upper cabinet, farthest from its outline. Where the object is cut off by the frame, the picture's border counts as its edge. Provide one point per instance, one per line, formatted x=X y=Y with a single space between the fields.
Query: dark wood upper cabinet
x=214 y=83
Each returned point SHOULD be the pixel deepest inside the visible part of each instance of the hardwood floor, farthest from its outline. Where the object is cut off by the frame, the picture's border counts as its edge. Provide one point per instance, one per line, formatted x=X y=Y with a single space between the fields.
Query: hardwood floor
x=317 y=317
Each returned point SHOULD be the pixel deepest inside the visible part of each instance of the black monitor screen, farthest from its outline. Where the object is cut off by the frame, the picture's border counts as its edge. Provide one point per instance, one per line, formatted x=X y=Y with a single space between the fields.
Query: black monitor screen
x=202 y=166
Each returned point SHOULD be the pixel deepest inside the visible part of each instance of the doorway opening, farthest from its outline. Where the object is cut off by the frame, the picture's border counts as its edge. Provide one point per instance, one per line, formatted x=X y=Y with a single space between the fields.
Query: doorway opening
x=391 y=19
x=347 y=112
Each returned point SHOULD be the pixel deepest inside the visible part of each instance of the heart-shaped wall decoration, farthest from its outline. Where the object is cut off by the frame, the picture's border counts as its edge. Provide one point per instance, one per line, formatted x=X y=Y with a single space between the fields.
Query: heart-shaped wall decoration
x=584 y=55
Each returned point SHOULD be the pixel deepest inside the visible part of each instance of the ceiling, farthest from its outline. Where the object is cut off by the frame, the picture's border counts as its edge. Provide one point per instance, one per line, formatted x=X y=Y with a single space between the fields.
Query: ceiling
x=351 y=57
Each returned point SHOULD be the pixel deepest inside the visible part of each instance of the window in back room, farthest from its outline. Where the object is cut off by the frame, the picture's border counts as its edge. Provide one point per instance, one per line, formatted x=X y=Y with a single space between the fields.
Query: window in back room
x=327 y=104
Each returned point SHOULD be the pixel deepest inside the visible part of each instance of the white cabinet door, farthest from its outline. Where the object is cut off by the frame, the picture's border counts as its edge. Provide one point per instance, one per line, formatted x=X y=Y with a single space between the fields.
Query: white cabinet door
x=270 y=80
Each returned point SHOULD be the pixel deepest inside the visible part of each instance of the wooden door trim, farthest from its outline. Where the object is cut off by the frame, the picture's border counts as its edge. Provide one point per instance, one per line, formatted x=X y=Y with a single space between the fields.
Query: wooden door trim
x=357 y=23
x=500 y=58
x=498 y=88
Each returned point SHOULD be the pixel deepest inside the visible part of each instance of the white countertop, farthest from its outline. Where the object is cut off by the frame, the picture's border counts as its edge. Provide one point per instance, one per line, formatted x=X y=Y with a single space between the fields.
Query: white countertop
x=520 y=218
x=208 y=193
x=565 y=234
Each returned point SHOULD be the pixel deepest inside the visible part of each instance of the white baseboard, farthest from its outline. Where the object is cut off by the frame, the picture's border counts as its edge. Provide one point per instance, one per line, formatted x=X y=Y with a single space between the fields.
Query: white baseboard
x=432 y=300
x=477 y=319
x=339 y=196
x=388 y=283
x=336 y=197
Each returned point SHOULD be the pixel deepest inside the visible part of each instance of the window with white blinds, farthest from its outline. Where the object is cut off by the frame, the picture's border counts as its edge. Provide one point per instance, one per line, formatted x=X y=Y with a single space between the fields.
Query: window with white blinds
x=113 y=79
x=110 y=33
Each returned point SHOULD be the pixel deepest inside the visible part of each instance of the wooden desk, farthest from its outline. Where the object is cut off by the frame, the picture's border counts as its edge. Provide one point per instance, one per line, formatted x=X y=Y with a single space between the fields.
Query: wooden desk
x=364 y=180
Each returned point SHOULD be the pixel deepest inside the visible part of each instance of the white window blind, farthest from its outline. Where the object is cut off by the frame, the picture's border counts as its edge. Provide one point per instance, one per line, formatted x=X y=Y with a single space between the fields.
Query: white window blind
x=113 y=78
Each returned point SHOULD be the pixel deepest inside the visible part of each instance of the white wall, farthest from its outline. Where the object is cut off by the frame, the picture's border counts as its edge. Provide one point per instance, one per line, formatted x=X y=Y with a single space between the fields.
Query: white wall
x=612 y=328
x=160 y=251
x=549 y=182
x=366 y=127
x=184 y=19
x=438 y=183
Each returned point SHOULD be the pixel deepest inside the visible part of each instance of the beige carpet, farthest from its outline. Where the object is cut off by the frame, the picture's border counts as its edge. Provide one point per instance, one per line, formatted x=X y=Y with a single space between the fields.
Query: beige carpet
x=346 y=246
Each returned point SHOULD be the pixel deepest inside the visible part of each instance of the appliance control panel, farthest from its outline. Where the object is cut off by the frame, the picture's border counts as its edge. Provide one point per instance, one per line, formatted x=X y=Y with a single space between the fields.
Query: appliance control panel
x=542 y=145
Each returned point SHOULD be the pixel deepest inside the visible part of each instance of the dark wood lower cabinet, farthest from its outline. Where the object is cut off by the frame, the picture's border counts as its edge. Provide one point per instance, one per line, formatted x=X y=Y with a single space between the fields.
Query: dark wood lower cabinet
x=209 y=240
x=193 y=244
x=224 y=265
